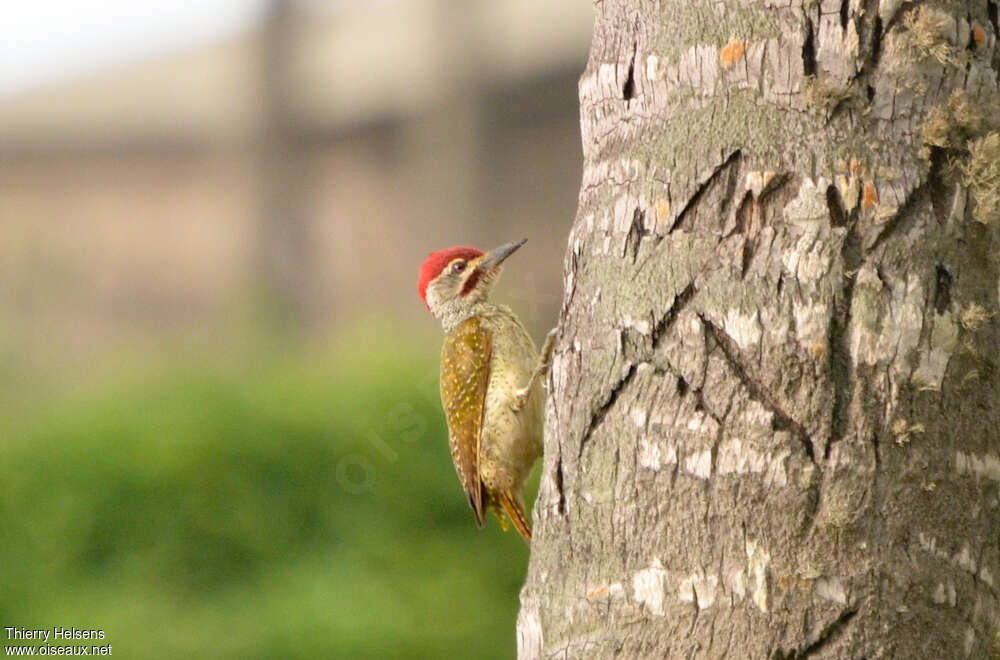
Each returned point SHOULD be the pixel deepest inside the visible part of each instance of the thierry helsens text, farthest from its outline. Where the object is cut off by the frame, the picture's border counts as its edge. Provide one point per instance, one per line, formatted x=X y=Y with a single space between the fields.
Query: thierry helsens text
x=56 y=633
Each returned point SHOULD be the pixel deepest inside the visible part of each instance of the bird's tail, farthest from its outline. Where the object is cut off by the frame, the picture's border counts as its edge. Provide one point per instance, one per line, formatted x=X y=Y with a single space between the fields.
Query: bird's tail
x=515 y=511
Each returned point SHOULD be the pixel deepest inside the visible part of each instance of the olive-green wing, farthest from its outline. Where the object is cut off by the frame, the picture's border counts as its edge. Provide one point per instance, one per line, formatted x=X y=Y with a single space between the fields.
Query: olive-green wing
x=465 y=373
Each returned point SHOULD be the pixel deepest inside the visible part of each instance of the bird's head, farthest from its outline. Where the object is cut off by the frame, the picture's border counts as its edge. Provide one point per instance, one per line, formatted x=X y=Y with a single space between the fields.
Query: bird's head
x=453 y=280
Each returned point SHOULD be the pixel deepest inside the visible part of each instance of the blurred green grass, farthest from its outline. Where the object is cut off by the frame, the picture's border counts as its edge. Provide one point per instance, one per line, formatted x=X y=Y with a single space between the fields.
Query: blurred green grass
x=269 y=504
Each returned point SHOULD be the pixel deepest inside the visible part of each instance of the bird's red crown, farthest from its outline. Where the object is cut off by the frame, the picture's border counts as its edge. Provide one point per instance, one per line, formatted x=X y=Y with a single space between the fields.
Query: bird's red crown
x=435 y=263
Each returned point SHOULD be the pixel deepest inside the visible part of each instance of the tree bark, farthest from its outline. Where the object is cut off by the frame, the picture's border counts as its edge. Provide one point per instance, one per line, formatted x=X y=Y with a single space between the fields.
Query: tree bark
x=773 y=428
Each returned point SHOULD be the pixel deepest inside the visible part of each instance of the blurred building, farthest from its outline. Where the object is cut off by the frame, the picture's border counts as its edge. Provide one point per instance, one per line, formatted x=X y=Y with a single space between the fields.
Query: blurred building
x=317 y=159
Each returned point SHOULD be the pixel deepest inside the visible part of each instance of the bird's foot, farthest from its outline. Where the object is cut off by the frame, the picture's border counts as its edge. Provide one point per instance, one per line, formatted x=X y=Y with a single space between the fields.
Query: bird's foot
x=541 y=370
x=521 y=398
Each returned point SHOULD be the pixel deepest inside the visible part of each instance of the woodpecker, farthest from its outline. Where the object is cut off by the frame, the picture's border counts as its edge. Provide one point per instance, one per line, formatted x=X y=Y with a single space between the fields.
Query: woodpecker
x=490 y=381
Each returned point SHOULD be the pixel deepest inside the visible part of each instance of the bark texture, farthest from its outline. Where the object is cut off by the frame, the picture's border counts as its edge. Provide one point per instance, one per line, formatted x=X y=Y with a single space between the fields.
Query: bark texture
x=773 y=428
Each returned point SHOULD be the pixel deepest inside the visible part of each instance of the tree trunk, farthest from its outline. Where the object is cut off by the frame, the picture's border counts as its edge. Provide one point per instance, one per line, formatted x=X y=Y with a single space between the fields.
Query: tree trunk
x=773 y=428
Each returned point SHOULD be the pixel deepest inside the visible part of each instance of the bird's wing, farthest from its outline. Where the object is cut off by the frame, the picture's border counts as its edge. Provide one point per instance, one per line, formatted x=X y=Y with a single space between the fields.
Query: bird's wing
x=465 y=373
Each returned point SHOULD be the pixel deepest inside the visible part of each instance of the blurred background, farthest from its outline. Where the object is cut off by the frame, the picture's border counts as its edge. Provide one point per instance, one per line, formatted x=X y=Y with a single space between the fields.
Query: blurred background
x=219 y=422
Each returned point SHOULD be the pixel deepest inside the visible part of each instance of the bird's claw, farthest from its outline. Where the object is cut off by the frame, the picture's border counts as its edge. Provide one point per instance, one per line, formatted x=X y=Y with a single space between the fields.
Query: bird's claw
x=521 y=398
x=544 y=362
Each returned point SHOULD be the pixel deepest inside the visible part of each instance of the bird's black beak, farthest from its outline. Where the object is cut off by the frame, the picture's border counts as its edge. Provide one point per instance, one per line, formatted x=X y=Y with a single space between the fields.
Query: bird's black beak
x=495 y=257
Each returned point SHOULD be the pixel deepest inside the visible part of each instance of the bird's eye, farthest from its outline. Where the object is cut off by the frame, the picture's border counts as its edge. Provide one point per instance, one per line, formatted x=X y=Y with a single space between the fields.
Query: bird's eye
x=458 y=267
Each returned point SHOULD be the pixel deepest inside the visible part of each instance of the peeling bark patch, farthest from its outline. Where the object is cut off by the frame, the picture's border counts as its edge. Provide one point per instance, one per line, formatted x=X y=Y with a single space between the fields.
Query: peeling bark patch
x=628 y=89
x=649 y=587
x=809 y=207
x=942 y=290
x=759 y=575
x=831 y=589
x=652 y=457
x=809 y=51
x=699 y=589
x=653 y=71
x=699 y=464
x=744 y=330
x=986 y=466
x=736 y=458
